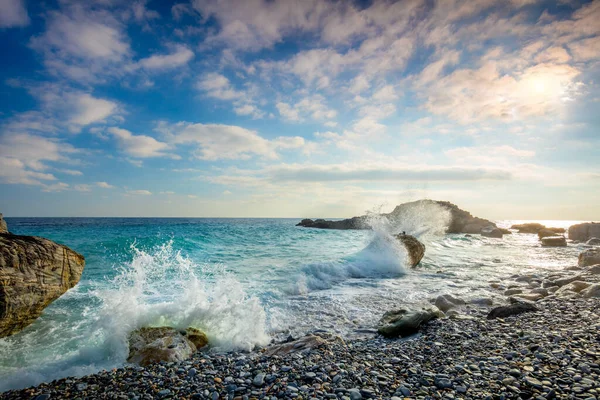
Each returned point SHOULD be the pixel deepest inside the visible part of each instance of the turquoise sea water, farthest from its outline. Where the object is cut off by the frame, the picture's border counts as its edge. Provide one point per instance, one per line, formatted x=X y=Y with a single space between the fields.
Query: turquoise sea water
x=245 y=282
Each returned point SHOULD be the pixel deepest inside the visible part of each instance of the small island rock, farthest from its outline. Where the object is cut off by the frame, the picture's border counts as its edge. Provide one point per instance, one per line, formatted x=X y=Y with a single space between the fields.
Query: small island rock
x=585 y=231
x=554 y=241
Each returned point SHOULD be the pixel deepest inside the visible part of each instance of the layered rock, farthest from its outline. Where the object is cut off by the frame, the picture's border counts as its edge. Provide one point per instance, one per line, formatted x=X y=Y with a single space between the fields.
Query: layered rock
x=460 y=221
x=33 y=273
x=163 y=344
x=584 y=232
x=404 y=322
x=589 y=257
x=3 y=226
x=554 y=241
x=415 y=249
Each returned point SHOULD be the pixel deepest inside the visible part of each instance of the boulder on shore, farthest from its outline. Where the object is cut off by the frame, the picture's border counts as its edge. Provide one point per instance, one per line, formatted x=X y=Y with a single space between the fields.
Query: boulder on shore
x=3 y=226
x=492 y=232
x=584 y=232
x=554 y=241
x=33 y=273
x=513 y=309
x=415 y=249
x=153 y=345
x=589 y=257
x=405 y=322
x=460 y=221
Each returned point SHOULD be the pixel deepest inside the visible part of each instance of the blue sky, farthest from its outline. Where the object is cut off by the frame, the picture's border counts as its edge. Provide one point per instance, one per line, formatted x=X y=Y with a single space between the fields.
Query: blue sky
x=265 y=108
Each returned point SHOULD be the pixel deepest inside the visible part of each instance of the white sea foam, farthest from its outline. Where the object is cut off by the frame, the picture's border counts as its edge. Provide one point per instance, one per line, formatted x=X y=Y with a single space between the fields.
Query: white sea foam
x=157 y=288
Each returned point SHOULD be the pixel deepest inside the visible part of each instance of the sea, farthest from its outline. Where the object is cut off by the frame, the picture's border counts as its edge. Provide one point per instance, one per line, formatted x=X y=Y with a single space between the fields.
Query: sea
x=248 y=282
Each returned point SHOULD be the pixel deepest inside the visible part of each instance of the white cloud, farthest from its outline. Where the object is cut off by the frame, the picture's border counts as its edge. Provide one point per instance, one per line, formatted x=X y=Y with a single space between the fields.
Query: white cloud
x=181 y=56
x=139 y=192
x=82 y=188
x=219 y=87
x=87 y=109
x=104 y=185
x=140 y=146
x=13 y=14
x=313 y=107
x=218 y=141
x=72 y=172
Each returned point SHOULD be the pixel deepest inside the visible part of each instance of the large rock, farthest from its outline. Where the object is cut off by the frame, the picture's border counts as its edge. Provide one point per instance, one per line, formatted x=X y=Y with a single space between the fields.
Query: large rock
x=530 y=227
x=592 y=291
x=589 y=257
x=414 y=248
x=513 y=309
x=33 y=273
x=446 y=302
x=3 y=226
x=584 y=232
x=152 y=345
x=554 y=241
x=460 y=221
x=405 y=322
x=593 y=242
x=492 y=232
x=542 y=233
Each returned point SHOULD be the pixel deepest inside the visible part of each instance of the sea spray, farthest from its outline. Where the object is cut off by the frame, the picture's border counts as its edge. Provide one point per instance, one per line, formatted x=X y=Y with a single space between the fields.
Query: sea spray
x=159 y=287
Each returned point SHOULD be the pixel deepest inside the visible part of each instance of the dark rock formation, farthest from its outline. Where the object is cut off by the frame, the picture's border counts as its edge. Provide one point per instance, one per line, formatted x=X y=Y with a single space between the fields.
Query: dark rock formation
x=163 y=344
x=584 y=232
x=492 y=232
x=461 y=221
x=405 y=322
x=3 y=226
x=33 y=273
x=513 y=309
x=414 y=248
x=554 y=241
x=530 y=227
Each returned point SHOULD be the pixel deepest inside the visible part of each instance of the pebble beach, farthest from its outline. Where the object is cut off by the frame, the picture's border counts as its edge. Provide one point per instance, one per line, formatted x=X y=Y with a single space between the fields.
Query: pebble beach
x=551 y=353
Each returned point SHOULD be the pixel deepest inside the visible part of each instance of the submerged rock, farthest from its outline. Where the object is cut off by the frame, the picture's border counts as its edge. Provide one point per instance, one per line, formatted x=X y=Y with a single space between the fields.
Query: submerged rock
x=460 y=221
x=513 y=309
x=151 y=345
x=593 y=242
x=492 y=232
x=3 y=226
x=405 y=322
x=414 y=248
x=589 y=257
x=585 y=231
x=554 y=241
x=33 y=273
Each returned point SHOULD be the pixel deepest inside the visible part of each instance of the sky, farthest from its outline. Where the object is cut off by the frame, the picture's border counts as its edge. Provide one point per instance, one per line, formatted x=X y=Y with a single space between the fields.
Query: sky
x=312 y=108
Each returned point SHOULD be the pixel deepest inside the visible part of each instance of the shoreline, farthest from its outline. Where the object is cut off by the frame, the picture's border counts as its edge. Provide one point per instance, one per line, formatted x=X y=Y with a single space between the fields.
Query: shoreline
x=552 y=353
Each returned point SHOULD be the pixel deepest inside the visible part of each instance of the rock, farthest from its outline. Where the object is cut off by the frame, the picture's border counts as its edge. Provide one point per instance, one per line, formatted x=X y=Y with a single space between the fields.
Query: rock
x=589 y=257
x=565 y=281
x=554 y=241
x=3 y=226
x=529 y=296
x=545 y=232
x=585 y=231
x=197 y=337
x=259 y=380
x=491 y=232
x=513 y=309
x=405 y=322
x=593 y=242
x=460 y=221
x=530 y=227
x=594 y=269
x=445 y=302
x=153 y=345
x=415 y=249
x=303 y=344
x=576 y=286
x=592 y=291
x=33 y=273
x=511 y=292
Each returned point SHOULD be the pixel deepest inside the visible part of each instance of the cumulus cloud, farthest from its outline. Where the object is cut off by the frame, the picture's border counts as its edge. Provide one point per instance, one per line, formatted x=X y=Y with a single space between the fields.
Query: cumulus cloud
x=104 y=185
x=140 y=146
x=13 y=14
x=312 y=107
x=140 y=192
x=218 y=86
x=181 y=56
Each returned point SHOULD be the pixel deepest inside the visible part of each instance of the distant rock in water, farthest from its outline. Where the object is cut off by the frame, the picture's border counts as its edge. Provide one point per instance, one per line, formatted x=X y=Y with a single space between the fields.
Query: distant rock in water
x=33 y=273
x=589 y=257
x=163 y=344
x=492 y=232
x=461 y=221
x=414 y=248
x=554 y=241
x=584 y=232
x=534 y=227
x=3 y=226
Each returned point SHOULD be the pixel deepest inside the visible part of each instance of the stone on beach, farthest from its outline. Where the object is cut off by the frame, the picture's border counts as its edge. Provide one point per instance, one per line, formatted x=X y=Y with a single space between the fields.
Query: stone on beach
x=306 y=343
x=513 y=309
x=150 y=345
x=33 y=273
x=554 y=241
x=591 y=291
x=415 y=249
x=585 y=231
x=446 y=302
x=589 y=257
x=405 y=322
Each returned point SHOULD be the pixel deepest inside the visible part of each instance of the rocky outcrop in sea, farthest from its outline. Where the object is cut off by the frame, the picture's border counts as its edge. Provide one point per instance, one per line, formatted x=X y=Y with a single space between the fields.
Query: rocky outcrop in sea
x=33 y=273
x=585 y=231
x=461 y=221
